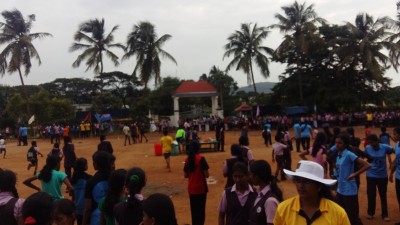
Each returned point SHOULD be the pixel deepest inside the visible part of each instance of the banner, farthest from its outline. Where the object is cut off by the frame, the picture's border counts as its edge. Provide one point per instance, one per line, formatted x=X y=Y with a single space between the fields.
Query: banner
x=103 y=117
x=31 y=120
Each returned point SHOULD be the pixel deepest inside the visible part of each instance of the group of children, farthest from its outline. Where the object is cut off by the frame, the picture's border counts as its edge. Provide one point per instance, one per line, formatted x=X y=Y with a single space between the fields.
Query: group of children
x=111 y=196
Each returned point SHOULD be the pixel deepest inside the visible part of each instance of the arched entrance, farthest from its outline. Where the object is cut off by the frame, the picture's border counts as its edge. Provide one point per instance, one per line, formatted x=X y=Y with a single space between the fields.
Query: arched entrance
x=189 y=89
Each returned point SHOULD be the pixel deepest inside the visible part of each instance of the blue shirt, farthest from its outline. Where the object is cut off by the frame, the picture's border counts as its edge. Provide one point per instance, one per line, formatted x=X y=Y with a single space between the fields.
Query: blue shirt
x=296 y=128
x=397 y=159
x=267 y=127
x=23 y=131
x=378 y=164
x=305 y=130
x=344 y=167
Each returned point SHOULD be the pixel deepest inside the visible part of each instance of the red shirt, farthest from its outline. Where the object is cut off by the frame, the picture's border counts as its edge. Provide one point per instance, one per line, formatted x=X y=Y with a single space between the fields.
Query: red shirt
x=197 y=181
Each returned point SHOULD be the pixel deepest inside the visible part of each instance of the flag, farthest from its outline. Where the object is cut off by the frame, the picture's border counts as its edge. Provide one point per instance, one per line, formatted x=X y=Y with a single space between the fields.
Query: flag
x=258 y=111
x=31 y=119
x=88 y=116
x=384 y=104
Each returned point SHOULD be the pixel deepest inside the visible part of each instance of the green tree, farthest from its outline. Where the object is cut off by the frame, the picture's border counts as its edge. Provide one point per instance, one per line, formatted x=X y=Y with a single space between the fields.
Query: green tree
x=120 y=85
x=161 y=100
x=298 y=23
x=16 y=35
x=226 y=87
x=245 y=46
x=143 y=42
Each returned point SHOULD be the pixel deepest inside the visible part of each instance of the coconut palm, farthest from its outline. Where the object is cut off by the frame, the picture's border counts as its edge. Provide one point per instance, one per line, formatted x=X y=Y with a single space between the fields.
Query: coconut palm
x=298 y=23
x=91 y=38
x=362 y=49
x=16 y=34
x=143 y=42
x=245 y=46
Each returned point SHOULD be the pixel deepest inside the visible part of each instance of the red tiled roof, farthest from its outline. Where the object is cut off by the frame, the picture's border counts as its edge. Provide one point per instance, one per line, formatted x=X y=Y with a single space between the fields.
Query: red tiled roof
x=195 y=87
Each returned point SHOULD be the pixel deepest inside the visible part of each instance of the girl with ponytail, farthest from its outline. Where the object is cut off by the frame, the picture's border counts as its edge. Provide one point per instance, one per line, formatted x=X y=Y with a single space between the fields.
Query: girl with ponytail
x=37 y=209
x=115 y=194
x=130 y=212
x=51 y=179
x=269 y=194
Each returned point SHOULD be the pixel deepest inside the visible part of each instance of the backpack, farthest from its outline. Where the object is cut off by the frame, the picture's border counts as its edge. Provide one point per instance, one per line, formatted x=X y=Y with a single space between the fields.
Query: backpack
x=32 y=154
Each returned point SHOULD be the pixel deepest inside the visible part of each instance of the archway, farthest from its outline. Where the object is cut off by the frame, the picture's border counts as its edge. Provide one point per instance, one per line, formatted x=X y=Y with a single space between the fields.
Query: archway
x=190 y=89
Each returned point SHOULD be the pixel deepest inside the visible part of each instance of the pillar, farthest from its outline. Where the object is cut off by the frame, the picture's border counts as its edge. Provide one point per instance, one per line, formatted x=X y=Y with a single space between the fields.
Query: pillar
x=176 y=112
x=214 y=105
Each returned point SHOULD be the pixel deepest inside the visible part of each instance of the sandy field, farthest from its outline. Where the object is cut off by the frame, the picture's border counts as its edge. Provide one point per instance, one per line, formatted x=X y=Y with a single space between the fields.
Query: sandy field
x=173 y=183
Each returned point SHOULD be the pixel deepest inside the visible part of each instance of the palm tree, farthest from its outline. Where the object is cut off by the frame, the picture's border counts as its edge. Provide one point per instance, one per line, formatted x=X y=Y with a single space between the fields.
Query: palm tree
x=16 y=34
x=362 y=48
x=245 y=46
x=299 y=25
x=91 y=38
x=145 y=44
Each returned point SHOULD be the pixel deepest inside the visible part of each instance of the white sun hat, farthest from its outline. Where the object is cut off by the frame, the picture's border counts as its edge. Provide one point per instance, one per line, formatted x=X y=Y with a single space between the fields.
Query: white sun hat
x=310 y=170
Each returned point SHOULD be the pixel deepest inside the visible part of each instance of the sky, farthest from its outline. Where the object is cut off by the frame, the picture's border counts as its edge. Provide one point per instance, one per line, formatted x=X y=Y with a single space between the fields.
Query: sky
x=199 y=31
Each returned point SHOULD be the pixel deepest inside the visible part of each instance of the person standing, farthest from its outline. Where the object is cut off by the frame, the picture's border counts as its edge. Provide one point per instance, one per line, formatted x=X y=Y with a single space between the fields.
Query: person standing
x=3 y=146
x=377 y=176
x=278 y=150
x=306 y=134
x=314 y=202
x=166 y=144
x=105 y=145
x=69 y=156
x=196 y=169
x=23 y=134
x=237 y=200
x=269 y=194
x=10 y=203
x=142 y=131
x=396 y=165
x=79 y=180
x=227 y=169
x=345 y=172
x=127 y=132
x=180 y=138
x=297 y=135
x=266 y=133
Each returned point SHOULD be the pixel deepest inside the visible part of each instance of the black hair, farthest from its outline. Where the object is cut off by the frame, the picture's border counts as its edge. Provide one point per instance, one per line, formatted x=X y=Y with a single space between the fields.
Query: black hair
x=116 y=184
x=318 y=143
x=102 y=161
x=193 y=149
x=56 y=145
x=52 y=163
x=8 y=180
x=161 y=208
x=240 y=167
x=325 y=192
x=135 y=180
x=81 y=165
x=38 y=206
x=64 y=206
x=262 y=170
x=372 y=138
x=165 y=132
x=396 y=130
x=33 y=143
x=236 y=150
x=345 y=137
x=350 y=130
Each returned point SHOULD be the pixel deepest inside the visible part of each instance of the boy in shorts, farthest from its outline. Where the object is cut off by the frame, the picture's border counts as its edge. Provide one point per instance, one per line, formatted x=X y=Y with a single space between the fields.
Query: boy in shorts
x=32 y=156
x=166 y=143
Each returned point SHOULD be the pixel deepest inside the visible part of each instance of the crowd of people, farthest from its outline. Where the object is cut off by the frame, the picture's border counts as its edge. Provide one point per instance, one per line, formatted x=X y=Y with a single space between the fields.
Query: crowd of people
x=327 y=180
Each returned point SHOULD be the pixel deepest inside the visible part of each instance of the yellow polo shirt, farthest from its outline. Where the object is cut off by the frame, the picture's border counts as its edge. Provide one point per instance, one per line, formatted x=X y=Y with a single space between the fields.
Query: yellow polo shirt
x=331 y=213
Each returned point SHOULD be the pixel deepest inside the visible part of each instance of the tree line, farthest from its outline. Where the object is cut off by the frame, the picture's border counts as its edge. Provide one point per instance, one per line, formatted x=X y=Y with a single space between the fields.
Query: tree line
x=337 y=67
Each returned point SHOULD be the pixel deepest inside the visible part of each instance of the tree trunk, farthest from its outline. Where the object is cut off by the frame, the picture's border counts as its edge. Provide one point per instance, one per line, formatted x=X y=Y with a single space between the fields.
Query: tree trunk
x=252 y=77
x=300 y=81
x=28 y=109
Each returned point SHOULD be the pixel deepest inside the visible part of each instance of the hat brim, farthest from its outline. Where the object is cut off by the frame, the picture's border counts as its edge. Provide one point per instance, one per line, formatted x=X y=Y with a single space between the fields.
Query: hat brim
x=291 y=174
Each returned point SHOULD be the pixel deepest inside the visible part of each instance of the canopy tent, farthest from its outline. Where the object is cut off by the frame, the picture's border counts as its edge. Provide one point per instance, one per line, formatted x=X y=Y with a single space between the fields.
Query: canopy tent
x=243 y=107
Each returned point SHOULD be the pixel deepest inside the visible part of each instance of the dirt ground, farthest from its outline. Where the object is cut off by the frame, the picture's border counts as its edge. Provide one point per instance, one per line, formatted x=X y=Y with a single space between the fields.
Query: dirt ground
x=173 y=183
